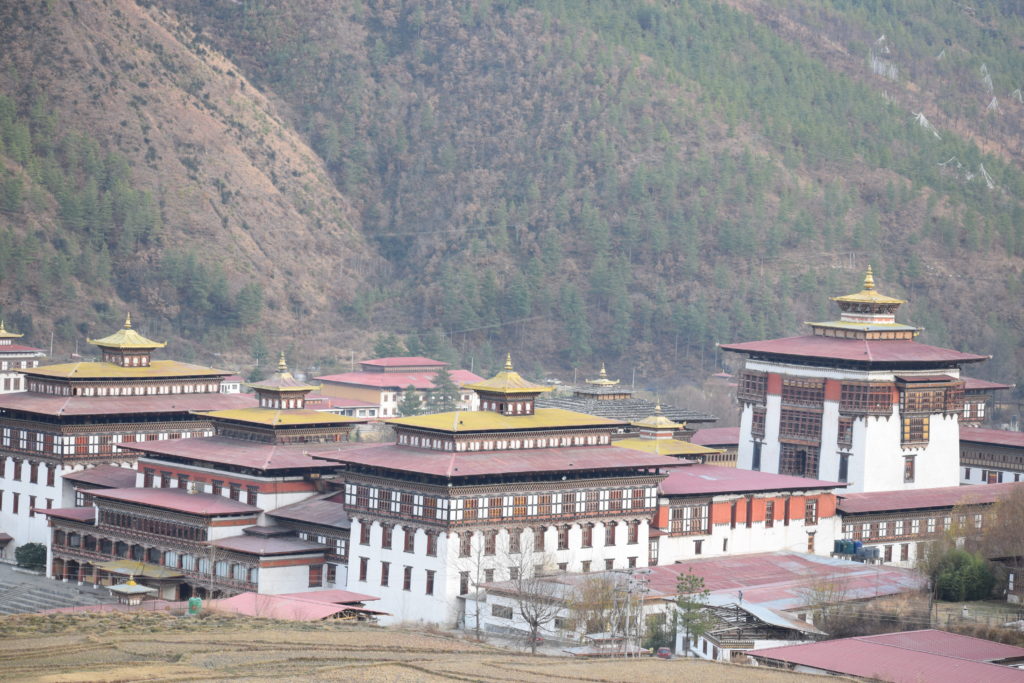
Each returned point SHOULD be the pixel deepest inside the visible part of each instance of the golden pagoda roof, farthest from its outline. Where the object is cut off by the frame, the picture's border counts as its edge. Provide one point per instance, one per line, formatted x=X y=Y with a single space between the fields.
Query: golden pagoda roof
x=602 y=379
x=665 y=446
x=658 y=421
x=4 y=334
x=282 y=381
x=868 y=295
x=486 y=420
x=274 y=417
x=101 y=370
x=508 y=381
x=127 y=338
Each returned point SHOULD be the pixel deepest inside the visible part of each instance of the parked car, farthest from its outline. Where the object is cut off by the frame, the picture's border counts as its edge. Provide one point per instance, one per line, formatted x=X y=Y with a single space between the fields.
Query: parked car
x=663 y=653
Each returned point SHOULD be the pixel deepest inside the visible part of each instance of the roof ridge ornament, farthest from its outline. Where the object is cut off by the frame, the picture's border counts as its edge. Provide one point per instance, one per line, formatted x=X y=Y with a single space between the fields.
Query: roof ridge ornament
x=128 y=321
x=282 y=365
x=508 y=362
x=869 y=279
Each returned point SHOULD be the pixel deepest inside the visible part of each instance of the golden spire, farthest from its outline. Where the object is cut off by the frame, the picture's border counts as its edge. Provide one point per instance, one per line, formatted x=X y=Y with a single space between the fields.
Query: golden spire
x=282 y=366
x=131 y=580
x=128 y=321
x=508 y=362
x=869 y=280
x=604 y=373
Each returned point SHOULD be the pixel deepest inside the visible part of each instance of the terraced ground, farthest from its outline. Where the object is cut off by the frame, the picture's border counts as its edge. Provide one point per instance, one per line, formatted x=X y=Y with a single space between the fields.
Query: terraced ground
x=117 y=647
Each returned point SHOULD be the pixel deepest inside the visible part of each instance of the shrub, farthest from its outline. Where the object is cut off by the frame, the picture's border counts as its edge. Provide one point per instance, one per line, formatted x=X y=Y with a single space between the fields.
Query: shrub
x=31 y=556
x=960 y=575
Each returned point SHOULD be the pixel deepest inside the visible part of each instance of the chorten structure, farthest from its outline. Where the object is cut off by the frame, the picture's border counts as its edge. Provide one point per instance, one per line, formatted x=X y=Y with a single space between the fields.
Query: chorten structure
x=857 y=400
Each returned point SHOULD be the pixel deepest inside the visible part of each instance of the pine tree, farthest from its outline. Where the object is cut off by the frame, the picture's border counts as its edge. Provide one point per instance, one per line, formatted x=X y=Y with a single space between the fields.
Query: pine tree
x=410 y=403
x=445 y=395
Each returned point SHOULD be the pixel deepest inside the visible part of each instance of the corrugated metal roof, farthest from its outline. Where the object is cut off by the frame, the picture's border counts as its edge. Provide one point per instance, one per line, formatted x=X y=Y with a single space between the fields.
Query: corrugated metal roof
x=252 y=544
x=31 y=402
x=975 y=384
x=489 y=421
x=179 y=500
x=399 y=380
x=499 y=462
x=782 y=580
x=888 y=351
x=108 y=476
x=717 y=436
x=290 y=608
x=86 y=514
x=704 y=479
x=888 y=660
x=998 y=437
x=227 y=451
x=918 y=499
x=316 y=510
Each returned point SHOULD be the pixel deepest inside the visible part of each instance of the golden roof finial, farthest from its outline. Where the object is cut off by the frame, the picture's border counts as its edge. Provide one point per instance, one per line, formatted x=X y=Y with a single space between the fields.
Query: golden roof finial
x=131 y=580
x=508 y=362
x=869 y=280
x=604 y=373
x=282 y=366
x=2 y=328
x=128 y=321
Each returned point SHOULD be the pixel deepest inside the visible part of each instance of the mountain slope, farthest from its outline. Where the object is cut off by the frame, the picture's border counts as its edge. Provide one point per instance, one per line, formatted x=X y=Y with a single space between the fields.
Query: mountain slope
x=629 y=183
x=114 y=97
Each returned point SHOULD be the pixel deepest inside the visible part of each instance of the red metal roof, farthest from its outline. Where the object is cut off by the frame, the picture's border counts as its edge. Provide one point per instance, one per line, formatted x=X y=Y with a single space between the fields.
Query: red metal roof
x=290 y=608
x=894 y=657
x=705 y=479
x=447 y=464
x=403 y=361
x=399 y=380
x=339 y=597
x=952 y=644
x=86 y=514
x=4 y=348
x=975 y=384
x=892 y=351
x=179 y=500
x=925 y=378
x=321 y=402
x=268 y=545
x=716 y=436
x=779 y=580
x=999 y=437
x=107 y=476
x=915 y=499
x=226 y=451
x=316 y=510
x=112 y=405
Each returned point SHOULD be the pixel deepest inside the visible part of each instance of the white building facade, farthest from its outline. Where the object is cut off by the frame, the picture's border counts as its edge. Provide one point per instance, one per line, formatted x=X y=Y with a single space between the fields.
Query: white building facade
x=857 y=401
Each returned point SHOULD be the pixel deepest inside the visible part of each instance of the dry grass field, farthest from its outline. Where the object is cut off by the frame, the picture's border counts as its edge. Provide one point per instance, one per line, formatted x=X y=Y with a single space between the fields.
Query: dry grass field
x=158 y=646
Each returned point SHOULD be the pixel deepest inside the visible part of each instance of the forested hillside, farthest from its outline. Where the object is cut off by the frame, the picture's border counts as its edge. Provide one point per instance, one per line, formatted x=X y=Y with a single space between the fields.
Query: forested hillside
x=630 y=183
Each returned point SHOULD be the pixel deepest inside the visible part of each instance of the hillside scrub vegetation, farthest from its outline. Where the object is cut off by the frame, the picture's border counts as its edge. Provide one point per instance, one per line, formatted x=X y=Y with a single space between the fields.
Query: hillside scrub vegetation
x=632 y=183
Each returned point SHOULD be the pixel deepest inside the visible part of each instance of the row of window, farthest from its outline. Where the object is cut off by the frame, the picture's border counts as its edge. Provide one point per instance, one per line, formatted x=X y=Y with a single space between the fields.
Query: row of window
x=14 y=383
x=867 y=531
x=407 y=576
x=59 y=389
x=217 y=487
x=499 y=507
x=18 y=364
x=167 y=558
x=992 y=476
x=406 y=439
x=15 y=504
x=85 y=444
x=17 y=471
x=149 y=525
x=488 y=543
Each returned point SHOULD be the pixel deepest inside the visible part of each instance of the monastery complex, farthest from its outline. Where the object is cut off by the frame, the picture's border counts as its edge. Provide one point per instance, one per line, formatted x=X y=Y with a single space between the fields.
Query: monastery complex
x=133 y=466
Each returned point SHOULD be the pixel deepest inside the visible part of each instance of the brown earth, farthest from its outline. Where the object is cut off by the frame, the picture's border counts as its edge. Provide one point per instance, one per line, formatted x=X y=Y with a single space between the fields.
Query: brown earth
x=156 y=646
